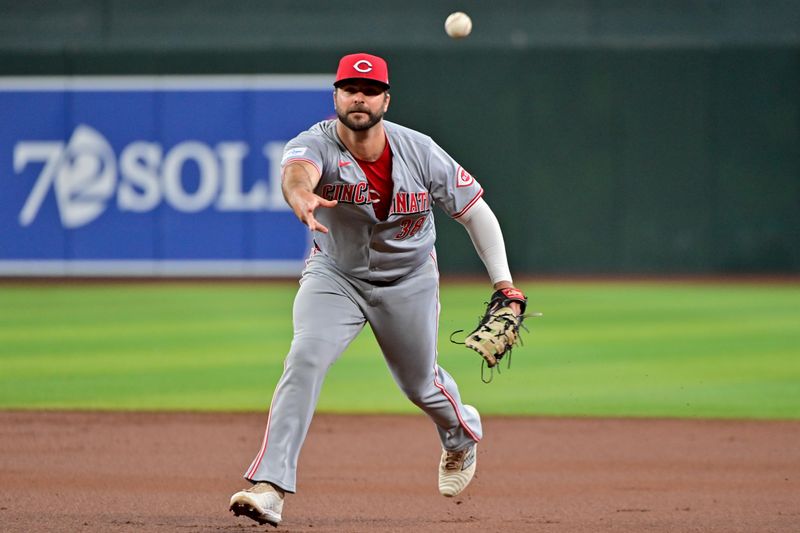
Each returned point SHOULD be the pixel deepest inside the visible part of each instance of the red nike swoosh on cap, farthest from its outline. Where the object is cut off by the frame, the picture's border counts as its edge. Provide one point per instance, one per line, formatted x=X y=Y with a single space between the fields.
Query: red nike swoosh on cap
x=343 y=163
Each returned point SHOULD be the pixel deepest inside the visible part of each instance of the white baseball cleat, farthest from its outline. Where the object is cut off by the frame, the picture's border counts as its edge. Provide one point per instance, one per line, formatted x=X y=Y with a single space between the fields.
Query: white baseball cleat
x=457 y=468
x=261 y=502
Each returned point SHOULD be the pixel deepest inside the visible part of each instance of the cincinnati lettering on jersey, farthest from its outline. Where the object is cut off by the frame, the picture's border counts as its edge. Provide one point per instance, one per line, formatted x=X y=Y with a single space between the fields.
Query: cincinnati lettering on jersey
x=348 y=193
x=408 y=203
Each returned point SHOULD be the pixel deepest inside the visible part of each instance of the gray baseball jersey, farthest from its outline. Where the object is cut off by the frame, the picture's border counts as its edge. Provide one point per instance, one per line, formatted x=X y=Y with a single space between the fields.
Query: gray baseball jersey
x=423 y=175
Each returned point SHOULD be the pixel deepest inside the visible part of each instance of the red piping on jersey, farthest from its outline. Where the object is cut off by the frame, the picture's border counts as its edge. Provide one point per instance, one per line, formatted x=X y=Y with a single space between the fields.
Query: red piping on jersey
x=470 y=204
x=294 y=159
x=436 y=381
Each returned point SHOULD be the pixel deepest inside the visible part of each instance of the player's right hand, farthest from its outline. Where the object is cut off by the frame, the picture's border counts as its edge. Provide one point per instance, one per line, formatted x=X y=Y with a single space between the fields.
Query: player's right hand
x=298 y=182
x=305 y=203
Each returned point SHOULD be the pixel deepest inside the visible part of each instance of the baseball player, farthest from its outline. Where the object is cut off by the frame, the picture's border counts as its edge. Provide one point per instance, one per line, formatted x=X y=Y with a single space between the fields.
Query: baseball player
x=366 y=188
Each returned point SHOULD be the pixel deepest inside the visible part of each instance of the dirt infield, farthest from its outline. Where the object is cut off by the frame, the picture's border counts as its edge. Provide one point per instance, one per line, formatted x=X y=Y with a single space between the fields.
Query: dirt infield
x=142 y=472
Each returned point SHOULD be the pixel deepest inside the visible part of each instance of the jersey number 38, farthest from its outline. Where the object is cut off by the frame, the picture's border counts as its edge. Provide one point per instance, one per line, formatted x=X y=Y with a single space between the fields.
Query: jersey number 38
x=410 y=226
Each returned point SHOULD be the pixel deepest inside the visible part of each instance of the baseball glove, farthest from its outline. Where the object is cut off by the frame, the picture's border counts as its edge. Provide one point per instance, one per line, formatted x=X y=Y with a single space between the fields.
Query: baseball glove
x=498 y=330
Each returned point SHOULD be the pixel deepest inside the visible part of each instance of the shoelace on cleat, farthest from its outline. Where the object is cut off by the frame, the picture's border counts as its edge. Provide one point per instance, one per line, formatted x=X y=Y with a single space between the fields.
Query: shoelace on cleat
x=453 y=460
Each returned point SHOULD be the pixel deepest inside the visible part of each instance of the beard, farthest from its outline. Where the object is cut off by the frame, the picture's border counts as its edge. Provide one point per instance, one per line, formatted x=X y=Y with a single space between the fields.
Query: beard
x=359 y=125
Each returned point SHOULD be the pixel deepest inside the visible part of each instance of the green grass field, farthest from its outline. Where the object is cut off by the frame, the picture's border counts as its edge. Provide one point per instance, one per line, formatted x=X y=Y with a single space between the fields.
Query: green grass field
x=602 y=349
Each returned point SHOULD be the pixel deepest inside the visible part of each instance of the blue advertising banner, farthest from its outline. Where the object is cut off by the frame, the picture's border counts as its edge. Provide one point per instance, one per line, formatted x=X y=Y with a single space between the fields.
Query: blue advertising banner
x=141 y=176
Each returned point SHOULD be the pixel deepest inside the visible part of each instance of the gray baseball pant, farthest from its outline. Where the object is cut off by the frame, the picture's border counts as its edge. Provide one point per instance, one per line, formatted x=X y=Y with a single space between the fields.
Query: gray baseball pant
x=330 y=309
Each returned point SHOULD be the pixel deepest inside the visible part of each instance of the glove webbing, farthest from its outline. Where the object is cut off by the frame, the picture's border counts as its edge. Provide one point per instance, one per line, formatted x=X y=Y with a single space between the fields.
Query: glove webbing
x=507 y=354
x=500 y=298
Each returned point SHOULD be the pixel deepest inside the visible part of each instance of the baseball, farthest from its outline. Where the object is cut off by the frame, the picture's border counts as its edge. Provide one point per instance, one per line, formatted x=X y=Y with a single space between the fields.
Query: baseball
x=458 y=25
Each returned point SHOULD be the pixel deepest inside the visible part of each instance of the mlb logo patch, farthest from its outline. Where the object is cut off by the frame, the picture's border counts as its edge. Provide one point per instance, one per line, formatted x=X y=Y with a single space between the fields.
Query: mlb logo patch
x=463 y=178
x=294 y=152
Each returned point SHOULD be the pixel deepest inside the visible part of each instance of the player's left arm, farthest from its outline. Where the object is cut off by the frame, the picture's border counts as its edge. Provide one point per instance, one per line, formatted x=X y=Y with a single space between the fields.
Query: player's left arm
x=460 y=196
x=487 y=237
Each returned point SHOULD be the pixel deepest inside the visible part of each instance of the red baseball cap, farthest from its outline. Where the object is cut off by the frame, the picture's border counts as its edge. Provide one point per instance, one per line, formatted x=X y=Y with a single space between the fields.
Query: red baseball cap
x=362 y=66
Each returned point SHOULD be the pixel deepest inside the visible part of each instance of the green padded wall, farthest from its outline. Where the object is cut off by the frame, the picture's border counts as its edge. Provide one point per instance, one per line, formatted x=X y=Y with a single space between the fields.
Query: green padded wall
x=611 y=137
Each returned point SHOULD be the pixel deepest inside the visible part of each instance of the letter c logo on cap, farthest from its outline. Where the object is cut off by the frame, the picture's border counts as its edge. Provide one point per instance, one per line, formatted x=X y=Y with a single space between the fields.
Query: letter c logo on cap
x=363 y=65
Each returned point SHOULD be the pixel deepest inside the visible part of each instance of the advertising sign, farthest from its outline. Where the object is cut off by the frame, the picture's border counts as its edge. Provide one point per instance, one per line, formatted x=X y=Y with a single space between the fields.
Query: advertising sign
x=141 y=176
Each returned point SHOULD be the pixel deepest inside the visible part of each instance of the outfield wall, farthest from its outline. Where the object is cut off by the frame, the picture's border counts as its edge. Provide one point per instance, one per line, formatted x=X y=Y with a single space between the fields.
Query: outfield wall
x=611 y=137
